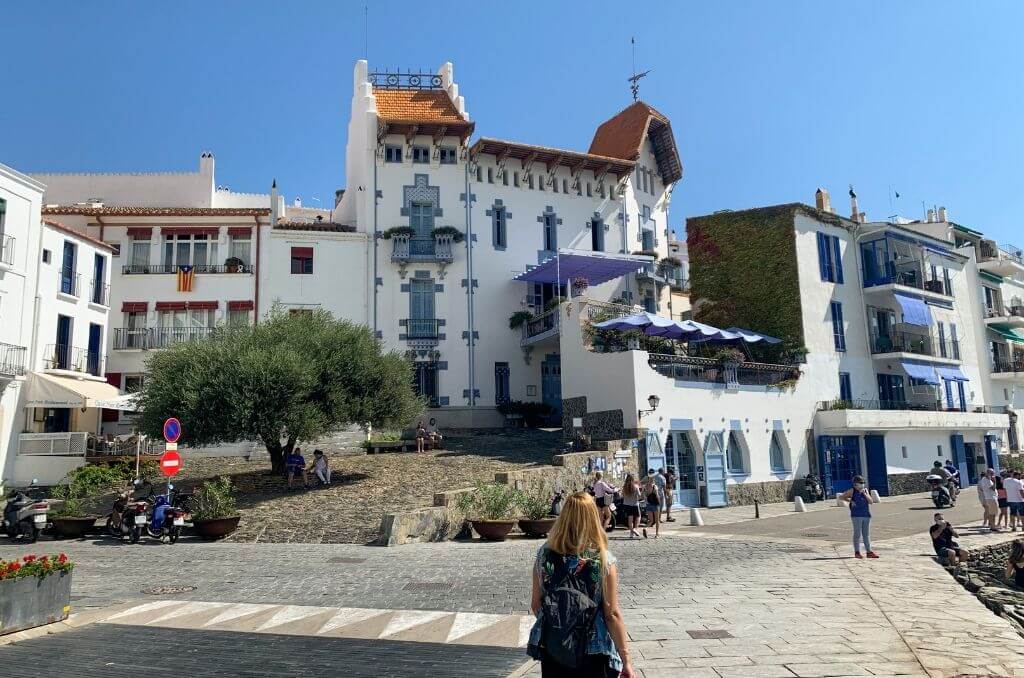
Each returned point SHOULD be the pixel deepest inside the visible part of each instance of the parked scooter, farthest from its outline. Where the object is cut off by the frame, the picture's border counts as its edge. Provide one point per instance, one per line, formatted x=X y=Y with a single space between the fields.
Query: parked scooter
x=25 y=515
x=941 y=495
x=813 y=486
x=128 y=517
x=167 y=520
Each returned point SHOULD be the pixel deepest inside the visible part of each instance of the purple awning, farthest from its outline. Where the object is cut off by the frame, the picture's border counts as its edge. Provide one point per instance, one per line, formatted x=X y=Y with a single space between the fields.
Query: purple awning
x=594 y=267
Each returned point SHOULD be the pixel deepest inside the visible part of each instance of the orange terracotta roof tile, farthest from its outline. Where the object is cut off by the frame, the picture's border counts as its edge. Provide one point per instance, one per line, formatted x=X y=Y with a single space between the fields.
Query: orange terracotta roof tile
x=132 y=211
x=416 y=105
x=622 y=136
x=78 y=234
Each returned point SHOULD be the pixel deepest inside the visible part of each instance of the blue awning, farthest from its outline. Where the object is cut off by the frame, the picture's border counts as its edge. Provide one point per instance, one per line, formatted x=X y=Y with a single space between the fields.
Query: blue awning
x=915 y=311
x=925 y=373
x=952 y=373
x=594 y=267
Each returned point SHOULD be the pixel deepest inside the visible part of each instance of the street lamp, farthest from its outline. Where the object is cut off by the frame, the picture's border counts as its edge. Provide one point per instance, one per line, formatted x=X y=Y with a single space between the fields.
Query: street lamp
x=653 y=401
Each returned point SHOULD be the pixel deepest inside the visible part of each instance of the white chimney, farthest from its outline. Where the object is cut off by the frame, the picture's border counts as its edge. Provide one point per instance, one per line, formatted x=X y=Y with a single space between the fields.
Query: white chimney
x=943 y=216
x=931 y=216
x=855 y=213
x=822 y=200
x=206 y=165
x=298 y=201
x=274 y=209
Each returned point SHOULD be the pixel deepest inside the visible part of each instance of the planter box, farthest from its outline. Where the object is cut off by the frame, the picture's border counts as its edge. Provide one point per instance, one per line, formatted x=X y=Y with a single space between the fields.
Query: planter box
x=27 y=602
x=216 y=528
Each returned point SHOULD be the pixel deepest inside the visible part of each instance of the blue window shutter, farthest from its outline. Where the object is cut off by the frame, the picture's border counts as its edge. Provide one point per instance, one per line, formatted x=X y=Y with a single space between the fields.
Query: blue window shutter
x=822 y=257
x=837 y=326
x=838 y=263
x=845 y=389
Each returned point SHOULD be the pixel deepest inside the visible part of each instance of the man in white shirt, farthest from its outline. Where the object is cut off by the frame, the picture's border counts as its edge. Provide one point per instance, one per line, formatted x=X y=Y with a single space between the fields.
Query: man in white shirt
x=988 y=498
x=1015 y=500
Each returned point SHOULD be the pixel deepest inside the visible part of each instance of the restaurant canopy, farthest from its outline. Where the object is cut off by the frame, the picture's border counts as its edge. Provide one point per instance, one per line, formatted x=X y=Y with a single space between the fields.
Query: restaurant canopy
x=47 y=390
x=594 y=267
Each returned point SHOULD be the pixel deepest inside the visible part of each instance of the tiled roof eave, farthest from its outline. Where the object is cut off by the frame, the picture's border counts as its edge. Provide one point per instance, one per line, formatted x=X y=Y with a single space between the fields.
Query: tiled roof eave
x=132 y=211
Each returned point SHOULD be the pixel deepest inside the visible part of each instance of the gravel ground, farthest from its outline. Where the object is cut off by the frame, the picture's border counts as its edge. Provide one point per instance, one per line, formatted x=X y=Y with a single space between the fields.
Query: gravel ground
x=365 y=487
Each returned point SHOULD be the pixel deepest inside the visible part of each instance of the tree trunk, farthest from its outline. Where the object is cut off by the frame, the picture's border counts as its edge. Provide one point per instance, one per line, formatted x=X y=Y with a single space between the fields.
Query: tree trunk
x=276 y=451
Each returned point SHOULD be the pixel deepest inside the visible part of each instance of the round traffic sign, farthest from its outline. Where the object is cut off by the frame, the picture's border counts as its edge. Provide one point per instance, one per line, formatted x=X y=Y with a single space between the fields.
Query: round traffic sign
x=172 y=430
x=170 y=463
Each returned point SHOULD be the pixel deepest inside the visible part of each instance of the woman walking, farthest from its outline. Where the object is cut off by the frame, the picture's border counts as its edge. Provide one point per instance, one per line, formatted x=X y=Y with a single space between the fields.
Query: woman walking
x=860 y=514
x=655 y=500
x=1004 y=506
x=572 y=571
x=604 y=494
x=631 y=498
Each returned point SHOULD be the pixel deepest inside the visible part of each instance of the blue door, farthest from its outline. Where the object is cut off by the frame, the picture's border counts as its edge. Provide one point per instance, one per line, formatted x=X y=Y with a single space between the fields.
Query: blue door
x=956 y=443
x=714 y=469
x=839 y=461
x=422 y=324
x=95 y=339
x=680 y=456
x=878 y=469
x=991 y=453
x=551 y=384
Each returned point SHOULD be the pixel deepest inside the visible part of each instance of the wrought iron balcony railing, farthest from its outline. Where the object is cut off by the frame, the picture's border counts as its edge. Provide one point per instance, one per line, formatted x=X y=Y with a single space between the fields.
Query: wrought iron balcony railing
x=68 y=282
x=910 y=342
x=12 y=359
x=421 y=328
x=100 y=293
x=905 y=406
x=73 y=359
x=708 y=370
x=127 y=338
x=163 y=337
x=137 y=269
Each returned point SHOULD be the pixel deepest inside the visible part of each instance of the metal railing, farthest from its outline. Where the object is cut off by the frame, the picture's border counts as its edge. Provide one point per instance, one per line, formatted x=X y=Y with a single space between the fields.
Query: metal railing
x=162 y=337
x=908 y=274
x=400 y=248
x=73 y=359
x=910 y=342
x=421 y=328
x=422 y=247
x=1001 y=311
x=708 y=370
x=7 y=249
x=12 y=359
x=1004 y=366
x=906 y=406
x=992 y=252
x=132 y=338
x=100 y=293
x=136 y=269
x=71 y=444
x=68 y=283
x=438 y=248
x=546 y=322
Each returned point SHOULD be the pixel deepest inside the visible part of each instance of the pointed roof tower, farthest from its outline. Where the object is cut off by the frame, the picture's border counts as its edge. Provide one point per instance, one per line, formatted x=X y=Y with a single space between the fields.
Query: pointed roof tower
x=622 y=136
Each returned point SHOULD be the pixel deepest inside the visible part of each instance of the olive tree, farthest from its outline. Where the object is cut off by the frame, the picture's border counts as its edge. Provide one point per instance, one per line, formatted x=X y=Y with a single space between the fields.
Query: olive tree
x=292 y=378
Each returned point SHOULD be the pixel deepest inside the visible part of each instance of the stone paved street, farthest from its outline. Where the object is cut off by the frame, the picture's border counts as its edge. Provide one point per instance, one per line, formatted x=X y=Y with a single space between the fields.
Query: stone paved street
x=697 y=602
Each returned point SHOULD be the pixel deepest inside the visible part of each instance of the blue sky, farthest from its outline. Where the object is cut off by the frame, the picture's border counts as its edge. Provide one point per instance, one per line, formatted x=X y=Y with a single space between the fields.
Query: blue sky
x=768 y=100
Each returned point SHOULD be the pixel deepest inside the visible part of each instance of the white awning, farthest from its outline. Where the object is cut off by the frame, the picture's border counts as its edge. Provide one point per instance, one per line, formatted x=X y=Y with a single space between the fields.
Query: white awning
x=46 y=390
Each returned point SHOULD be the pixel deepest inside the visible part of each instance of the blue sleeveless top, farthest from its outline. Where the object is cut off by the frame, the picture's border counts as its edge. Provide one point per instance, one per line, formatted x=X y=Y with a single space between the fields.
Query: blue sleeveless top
x=859 y=505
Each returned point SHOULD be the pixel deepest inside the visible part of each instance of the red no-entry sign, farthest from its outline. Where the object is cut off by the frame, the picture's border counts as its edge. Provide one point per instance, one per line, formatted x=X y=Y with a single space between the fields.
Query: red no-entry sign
x=170 y=463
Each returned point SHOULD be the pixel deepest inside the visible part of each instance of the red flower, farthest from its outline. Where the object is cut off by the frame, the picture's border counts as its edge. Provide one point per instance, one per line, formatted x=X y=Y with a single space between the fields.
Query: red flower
x=29 y=558
x=14 y=567
x=62 y=559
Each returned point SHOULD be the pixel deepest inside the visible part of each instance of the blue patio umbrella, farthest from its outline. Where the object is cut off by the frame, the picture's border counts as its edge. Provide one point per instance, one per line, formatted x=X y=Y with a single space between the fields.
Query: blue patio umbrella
x=752 y=337
x=648 y=323
x=697 y=332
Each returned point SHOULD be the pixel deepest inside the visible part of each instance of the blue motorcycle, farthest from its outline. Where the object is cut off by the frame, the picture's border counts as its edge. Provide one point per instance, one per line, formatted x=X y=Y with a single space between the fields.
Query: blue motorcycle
x=167 y=520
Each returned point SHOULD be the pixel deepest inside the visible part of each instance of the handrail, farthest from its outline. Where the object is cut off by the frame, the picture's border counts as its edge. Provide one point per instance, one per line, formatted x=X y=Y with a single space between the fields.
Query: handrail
x=12 y=359
x=73 y=359
x=135 y=269
x=709 y=370
x=904 y=406
x=421 y=328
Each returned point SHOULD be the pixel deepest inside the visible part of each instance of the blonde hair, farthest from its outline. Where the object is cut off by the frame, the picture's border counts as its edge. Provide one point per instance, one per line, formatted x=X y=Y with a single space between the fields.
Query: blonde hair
x=629 y=487
x=578 y=529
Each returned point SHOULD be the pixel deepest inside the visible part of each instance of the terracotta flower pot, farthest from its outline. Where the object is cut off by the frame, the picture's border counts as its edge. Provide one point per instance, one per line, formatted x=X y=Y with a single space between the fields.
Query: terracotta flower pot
x=73 y=528
x=537 y=528
x=493 y=530
x=216 y=528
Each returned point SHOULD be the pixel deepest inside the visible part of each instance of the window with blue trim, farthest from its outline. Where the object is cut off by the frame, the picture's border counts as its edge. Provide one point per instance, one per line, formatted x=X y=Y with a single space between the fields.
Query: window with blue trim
x=597 y=235
x=501 y=387
x=734 y=454
x=954 y=341
x=392 y=153
x=776 y=455
x=830 y=260
x=845 y=389
x=448 y=155
x=499 y=227
x=942 y=339
x=838 y=332
x=420 y=155
x=550 y=232
x=650 y=304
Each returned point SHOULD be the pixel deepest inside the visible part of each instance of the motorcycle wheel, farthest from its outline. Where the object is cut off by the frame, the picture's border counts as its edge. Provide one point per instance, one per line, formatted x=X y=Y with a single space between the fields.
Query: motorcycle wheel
x=111 y=530
x=136 y=534
x=31 y=533
x=154 y=535
x=173 y=535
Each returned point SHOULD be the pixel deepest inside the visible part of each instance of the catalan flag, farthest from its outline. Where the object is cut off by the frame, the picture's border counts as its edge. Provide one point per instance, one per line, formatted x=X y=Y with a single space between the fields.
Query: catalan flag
x=186 y=278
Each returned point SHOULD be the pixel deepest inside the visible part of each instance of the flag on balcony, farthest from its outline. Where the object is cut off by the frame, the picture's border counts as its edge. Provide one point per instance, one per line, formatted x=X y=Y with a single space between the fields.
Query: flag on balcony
x=186 y=278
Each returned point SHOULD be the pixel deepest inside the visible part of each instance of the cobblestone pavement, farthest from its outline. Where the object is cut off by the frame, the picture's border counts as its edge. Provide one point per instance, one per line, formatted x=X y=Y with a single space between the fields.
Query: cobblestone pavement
x=364 y=487
x=695 y=604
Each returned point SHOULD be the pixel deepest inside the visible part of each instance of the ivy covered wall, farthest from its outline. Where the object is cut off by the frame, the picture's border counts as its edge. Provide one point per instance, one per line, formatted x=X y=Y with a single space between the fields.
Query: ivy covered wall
x=743 y=271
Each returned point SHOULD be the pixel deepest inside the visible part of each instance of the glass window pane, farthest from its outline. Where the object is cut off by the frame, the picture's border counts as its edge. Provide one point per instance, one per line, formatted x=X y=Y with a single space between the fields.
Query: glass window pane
x=183 y=254
x=199 y=254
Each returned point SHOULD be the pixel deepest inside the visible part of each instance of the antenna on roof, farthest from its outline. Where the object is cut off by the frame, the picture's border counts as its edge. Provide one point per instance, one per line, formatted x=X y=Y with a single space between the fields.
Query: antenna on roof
x=634 y=81
x=366 y=32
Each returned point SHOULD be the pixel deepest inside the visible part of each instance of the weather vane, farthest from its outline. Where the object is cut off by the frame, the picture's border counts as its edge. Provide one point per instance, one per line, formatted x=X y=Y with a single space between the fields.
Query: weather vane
x=634 y=81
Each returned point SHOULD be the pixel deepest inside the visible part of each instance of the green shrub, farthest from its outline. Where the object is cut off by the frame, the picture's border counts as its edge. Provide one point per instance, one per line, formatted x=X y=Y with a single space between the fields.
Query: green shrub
x=536 y=503
x=455 y=233
x=215 y=499
x=397 y=230
x=516 y=320
x=488 y=501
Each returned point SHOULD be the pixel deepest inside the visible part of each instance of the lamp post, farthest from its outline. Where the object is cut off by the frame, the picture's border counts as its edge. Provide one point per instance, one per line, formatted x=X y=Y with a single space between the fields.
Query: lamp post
x=653 y=401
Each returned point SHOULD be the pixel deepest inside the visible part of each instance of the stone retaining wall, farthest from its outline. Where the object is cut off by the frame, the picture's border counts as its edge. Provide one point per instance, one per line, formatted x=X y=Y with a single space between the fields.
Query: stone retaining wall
x=743 y=494
x=984 y=578
x=908 y=483
x=568 y=473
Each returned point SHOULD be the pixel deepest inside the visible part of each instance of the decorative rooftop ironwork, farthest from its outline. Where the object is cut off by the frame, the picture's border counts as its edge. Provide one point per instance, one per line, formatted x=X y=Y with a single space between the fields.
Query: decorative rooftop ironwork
x=407 y=80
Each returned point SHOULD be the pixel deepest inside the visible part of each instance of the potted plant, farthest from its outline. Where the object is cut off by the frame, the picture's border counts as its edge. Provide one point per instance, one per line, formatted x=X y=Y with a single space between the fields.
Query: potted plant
x=448 y=231
x=489 y=508
x=233 y=264
x=72 y=519
x=215 y=514
x=535 y=506
x=728 y=356
x=579 y=285
x=34 y=590
x=516 y=320
x=397 y=231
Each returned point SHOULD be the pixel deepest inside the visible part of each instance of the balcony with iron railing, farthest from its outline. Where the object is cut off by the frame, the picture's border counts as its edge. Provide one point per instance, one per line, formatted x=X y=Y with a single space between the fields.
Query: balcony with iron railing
x=936 y=405
x=438 y=248
x=541 y=327
x=712 y=371
x=100 y=293
x=68 y=283
x=1000 y=314
x=162 y=337
x=1009 y=367
x=1000 y=259
x=73 y=359
x=422 y=328
x=132 y=338
x=170 y=269
x=907 y=273
x=13 y=360
x=7 y=243
x=896 y=341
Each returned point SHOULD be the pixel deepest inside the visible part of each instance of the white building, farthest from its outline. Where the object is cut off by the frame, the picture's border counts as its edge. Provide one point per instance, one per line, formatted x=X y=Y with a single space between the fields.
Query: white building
x=54 y=299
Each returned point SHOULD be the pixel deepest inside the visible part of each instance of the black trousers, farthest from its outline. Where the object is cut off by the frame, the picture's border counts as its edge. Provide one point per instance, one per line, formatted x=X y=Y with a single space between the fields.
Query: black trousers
x=594 y=666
